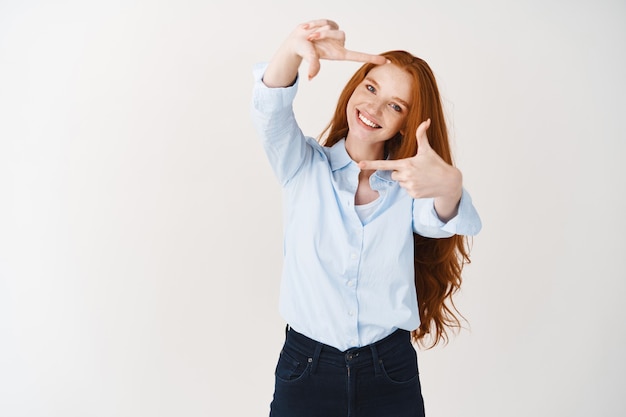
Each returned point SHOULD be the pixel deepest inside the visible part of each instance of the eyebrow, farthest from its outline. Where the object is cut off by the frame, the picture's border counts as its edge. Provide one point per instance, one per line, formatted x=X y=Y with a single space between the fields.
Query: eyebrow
x=371 y=81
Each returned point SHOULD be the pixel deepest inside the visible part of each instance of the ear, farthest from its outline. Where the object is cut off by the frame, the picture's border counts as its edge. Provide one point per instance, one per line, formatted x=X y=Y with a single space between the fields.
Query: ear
x=402 y=131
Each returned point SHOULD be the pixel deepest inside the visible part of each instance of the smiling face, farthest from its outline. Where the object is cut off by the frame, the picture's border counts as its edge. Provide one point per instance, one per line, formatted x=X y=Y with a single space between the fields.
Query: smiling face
x=377 y=110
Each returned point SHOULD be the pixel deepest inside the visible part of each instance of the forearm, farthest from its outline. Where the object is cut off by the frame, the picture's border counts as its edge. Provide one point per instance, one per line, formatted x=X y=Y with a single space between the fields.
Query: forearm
x=429 y=223
x=273 y=117
x=447 y=205
x=283 y=68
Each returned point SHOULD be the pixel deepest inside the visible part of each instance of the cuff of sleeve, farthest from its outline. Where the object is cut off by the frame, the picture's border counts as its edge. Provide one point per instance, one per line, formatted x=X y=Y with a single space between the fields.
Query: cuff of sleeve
x=427 y=223
x=425 y=219
x=271 y=99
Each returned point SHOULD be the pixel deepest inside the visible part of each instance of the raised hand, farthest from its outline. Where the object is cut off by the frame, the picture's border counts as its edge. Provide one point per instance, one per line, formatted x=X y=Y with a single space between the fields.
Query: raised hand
x=327 y=42
x=312 y=41
x=425 y=175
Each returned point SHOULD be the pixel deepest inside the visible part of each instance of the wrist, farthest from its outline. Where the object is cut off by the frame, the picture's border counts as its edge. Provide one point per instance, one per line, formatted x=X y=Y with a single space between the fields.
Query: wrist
x=447 y=204
x=455 y=185
x=283 y=68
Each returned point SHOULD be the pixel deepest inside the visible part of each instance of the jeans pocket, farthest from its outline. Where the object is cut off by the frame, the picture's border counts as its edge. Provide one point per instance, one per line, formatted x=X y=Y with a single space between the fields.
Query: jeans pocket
x=290 y=369
x=400 y=368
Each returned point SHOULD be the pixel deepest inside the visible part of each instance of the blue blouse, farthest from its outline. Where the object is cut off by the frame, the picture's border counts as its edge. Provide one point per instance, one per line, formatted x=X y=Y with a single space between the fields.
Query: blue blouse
x=345 y=282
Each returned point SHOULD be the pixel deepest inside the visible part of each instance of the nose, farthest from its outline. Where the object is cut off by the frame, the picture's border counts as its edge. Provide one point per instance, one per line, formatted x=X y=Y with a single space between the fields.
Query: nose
x=376 y=107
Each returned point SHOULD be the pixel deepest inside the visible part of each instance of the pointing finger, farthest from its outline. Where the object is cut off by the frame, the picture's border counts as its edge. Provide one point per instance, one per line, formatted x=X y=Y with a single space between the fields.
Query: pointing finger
x=363 y=57
x=380 y=165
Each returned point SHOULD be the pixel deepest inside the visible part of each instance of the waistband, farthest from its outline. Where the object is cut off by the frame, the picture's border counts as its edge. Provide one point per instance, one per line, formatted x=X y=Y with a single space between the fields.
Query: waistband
x=354 y=357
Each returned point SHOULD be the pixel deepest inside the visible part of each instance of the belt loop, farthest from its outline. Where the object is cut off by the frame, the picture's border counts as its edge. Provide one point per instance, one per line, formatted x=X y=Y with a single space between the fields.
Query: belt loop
x=377 y=370
x=316 y=357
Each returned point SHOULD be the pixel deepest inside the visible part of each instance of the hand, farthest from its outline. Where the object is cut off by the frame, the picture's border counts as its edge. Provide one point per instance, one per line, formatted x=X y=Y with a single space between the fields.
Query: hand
x=326 y=41
x=425 y=175
x=311 y=41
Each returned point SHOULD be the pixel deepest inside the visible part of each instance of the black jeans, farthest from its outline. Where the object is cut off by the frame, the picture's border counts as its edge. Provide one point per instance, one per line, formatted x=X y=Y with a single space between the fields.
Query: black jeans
x=317 y=380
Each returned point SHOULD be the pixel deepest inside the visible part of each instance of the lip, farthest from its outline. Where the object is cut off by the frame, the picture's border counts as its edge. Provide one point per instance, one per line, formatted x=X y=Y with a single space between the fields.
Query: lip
x=368 y=117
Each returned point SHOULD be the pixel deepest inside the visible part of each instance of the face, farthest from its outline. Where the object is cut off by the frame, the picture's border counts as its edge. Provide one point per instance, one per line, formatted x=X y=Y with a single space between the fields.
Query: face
x=378 y=108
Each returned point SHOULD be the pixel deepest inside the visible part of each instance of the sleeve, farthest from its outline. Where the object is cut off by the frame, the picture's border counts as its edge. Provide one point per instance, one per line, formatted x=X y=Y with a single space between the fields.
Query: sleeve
x=274 y=119
x=426 y=222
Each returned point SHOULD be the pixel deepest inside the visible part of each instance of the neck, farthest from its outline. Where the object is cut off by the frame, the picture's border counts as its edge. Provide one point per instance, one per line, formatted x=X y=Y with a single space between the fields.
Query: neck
x=365 y=152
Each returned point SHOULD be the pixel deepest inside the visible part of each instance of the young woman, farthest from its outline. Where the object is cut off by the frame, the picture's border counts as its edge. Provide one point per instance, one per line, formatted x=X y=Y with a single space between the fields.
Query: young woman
x=374 y=225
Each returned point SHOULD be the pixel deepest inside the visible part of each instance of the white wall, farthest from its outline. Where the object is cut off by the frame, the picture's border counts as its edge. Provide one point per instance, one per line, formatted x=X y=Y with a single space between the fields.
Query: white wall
x=140 y=234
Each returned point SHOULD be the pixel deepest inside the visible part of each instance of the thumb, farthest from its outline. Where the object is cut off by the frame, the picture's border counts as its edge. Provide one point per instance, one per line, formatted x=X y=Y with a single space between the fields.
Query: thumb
x=314 y=67
x=422 y=138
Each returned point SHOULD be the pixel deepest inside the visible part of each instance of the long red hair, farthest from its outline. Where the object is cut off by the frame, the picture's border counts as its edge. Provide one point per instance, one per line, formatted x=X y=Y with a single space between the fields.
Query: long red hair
x=438 y=262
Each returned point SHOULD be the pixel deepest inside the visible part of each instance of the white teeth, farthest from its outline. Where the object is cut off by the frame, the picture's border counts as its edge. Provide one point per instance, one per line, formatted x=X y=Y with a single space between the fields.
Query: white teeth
x=367 y=121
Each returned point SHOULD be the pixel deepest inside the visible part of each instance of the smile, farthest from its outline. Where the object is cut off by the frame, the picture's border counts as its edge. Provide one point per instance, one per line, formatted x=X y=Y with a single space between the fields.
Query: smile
x=367 y=121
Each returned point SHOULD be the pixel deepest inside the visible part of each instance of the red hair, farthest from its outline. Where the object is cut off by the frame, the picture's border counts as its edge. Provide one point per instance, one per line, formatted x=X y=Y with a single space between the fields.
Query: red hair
x=438 y=262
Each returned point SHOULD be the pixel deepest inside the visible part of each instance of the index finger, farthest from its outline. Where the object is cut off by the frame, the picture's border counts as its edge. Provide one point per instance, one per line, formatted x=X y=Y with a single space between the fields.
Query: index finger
x=386 y=165
x=363 y=57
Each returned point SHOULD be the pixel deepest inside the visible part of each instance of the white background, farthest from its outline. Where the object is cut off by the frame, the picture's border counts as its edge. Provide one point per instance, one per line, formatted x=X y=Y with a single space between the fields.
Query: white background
x=140 y=223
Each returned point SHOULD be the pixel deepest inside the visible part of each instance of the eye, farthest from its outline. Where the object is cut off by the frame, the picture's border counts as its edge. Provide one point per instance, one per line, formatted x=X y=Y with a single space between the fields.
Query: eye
x=370 y=88
x=395 y=107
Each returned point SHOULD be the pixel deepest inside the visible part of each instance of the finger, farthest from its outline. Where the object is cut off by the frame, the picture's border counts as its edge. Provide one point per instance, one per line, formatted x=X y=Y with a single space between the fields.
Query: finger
x=363 y=57
x=422 y=139
x=318 y=23
x=380 y=165
x=314 y=67
x=327 y=33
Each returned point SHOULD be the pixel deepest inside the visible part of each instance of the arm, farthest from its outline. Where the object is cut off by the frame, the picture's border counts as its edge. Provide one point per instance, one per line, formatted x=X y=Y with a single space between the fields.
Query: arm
x=283 y=68
x=425 y=175
x=441 y=207
x=276 y=86
x=274 y=120
x=427 y=222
